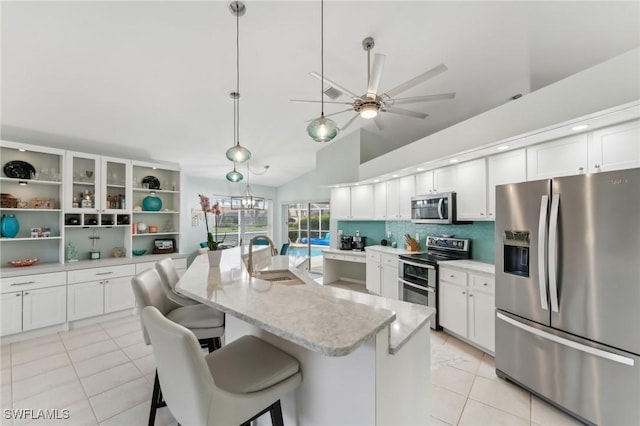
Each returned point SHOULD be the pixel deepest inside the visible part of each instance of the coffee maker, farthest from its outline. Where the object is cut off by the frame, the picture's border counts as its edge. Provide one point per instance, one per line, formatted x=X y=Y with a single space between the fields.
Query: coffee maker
x=358 y=243
x=345 y=242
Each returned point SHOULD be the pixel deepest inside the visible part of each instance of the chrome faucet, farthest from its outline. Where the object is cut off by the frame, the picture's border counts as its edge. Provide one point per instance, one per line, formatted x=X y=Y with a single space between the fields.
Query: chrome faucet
x=274 y=252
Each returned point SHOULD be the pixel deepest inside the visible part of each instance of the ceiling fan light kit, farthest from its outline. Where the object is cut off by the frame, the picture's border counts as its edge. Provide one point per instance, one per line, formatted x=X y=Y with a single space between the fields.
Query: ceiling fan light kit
x=372 y=102
x=237 y=153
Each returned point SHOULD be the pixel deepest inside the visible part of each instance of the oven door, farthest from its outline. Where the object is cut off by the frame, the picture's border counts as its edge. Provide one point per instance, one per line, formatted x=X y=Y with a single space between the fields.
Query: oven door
x=420 y=295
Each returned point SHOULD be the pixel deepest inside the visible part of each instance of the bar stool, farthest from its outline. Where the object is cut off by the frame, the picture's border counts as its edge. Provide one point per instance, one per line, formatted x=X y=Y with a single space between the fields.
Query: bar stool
x=206 y=323
x=231 y=386
x=169 y=275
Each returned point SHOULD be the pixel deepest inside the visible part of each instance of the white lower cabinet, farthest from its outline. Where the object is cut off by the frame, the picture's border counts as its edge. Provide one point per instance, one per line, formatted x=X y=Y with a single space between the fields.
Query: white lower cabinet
x=32 y=301
x=382 y=274
x=99 y=290
x=467 y=304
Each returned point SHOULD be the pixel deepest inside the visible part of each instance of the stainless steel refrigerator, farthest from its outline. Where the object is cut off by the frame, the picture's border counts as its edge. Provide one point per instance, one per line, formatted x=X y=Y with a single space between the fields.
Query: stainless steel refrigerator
x=568 y=292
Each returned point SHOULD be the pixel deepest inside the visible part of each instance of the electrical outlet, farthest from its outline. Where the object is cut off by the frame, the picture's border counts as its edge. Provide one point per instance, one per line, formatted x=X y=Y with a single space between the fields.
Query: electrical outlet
x=389 y=234
x=417 y=236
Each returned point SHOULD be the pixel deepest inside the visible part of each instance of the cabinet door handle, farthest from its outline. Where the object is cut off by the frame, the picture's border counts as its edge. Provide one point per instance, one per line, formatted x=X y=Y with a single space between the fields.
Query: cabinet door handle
x=18 y=294
x=464 y=292
x=485 y=284
x=24 y=283
x=471 y=295
x=104 y=273
x=26 y=293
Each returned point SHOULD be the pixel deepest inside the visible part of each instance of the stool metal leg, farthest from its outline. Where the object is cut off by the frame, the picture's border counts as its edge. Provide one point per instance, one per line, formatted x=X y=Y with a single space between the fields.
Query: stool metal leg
x=276 y=414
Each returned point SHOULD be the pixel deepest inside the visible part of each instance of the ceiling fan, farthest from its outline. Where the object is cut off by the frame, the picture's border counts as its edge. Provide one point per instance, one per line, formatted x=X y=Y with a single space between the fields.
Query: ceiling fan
x=372 y=102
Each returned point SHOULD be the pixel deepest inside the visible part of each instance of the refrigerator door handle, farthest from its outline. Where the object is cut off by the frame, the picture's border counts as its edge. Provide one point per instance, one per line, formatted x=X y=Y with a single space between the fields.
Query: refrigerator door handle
x=553 y=252
x=570 y=343
x=440 y=203
x=542 y=243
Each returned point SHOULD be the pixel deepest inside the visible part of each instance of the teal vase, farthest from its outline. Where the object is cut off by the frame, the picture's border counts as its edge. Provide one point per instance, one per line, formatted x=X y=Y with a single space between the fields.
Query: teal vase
x=10 y=226
x=151 y=203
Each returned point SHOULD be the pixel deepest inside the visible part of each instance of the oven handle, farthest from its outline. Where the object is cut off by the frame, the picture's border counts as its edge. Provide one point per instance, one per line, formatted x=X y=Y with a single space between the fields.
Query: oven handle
x=419 y=265
x=419 y=287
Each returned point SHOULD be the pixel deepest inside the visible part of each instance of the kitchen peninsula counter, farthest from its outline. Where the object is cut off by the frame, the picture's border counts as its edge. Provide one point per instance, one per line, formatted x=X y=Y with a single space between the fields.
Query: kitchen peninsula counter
x=364 y=358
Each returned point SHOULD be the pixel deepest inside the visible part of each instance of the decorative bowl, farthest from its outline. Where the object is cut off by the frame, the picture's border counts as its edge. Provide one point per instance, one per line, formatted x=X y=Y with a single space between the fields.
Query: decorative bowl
x=138 y=252
x=152 y=203
x=25 y=262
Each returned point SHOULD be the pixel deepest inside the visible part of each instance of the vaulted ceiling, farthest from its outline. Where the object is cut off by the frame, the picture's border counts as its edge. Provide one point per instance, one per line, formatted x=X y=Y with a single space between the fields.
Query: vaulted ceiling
x=151 y=79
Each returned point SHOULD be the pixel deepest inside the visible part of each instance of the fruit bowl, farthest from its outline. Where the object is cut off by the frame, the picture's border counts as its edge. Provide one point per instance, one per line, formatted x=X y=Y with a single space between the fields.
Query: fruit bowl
x=25 y=262
x=138 y=252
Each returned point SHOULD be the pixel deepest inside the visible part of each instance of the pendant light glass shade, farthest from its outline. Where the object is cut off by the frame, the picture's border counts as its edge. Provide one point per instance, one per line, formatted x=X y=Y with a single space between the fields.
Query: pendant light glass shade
x=234 y=175
x=238 y=153
x=322 y=129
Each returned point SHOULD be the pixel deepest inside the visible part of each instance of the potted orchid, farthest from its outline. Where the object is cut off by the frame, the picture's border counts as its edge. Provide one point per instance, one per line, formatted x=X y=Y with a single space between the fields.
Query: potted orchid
x=212 y=237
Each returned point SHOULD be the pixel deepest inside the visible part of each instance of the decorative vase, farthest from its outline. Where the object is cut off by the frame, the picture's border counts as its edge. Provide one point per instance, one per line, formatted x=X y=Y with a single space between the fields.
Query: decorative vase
x=152 y=203
x=214 y=257
x=10 y=226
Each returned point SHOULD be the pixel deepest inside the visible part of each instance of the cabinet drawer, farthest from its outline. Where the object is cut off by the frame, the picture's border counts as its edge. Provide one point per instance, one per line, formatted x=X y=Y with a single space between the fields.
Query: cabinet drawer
x=30 y=282
x=93 y=274
x=373 y=256
x=334 y=256
x=353 y=258
x=453 y=276
x=482 y=283
x=389 y=260
x=143 y=266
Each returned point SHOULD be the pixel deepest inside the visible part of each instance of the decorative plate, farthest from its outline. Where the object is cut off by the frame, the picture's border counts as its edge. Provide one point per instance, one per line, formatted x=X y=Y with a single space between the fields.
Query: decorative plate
x=26 y=262
x=153 y=182
x=19 y=169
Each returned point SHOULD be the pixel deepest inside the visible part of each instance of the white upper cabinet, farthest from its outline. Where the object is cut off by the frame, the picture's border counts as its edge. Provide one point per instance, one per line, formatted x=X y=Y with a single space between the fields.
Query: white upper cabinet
x=472 y=190
x=82 y=183
x=399 y=193
x=562 y=157
x=362 y=202
x=615 y=147
x=380 y=200
x=354 y=202
x=508 y=167
x=436 y=181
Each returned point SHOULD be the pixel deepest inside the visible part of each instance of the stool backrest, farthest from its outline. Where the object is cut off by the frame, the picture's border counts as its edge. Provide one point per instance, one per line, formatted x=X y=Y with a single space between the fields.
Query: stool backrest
x=147 y=288
x=187 y=385
x=168 y=273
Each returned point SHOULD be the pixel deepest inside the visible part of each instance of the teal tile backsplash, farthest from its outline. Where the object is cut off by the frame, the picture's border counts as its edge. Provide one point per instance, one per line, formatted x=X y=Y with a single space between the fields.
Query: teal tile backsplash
x=481 y=234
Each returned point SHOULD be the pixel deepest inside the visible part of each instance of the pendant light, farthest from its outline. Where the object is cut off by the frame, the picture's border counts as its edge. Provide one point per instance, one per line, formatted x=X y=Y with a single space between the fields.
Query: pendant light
x=322 y=129
x=234 y=176
x=238 y=153
x=248 y=201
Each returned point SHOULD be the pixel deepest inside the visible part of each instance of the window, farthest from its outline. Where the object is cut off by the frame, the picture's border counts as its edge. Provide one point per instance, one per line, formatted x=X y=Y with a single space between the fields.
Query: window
x=239 y=226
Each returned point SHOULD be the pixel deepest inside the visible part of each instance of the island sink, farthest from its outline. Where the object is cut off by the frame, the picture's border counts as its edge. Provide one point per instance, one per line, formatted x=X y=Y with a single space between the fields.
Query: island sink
x=281 y=277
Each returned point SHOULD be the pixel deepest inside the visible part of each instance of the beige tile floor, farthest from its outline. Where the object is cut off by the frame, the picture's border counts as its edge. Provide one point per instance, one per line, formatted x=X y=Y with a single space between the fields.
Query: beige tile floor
x=103 y=374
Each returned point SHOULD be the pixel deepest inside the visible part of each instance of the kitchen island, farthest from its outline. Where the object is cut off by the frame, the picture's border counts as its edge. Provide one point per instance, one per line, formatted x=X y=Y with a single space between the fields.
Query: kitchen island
x=365 y=359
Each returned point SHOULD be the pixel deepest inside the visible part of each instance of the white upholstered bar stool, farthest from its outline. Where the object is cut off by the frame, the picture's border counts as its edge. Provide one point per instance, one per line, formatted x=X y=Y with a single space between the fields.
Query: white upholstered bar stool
x=231 y=386
x=167 y=271
x=207 y=324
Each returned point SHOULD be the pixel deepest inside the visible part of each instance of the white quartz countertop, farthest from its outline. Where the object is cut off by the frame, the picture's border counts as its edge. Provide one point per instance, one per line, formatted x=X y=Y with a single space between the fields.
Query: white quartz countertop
x=45 y=268
x=321 y=318
x=390 y=250
x=472 y=265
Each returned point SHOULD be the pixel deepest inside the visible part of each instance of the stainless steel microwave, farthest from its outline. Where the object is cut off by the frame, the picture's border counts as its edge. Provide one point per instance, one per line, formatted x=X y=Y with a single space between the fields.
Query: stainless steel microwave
x=434 y=208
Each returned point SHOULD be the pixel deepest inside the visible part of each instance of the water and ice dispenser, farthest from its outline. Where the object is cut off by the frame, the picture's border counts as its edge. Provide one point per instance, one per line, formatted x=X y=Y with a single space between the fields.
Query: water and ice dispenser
x=516 y=246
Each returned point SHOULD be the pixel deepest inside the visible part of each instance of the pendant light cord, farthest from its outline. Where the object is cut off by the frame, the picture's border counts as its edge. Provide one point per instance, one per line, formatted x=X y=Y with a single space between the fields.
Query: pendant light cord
x=238 y=70
x=322 y=58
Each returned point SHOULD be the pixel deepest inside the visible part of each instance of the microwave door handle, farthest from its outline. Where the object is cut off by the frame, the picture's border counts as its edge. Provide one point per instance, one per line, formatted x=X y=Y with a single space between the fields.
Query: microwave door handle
x=553 y=252
x=542 y=243
x=440 y=203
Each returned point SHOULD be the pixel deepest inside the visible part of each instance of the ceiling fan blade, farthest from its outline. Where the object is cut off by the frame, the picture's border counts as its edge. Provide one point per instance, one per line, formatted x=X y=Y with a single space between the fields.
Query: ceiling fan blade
x=349 y=122
x=427 y=98
x=329 y=115
x=416 y=80
x=406 y=112
x=378 y=123
x=336 y=85
x=376 y=73
x=317 y=102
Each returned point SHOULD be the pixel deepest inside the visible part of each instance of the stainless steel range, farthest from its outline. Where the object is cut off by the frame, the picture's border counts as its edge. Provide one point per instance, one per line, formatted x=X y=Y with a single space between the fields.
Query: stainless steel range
x=418 y=273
